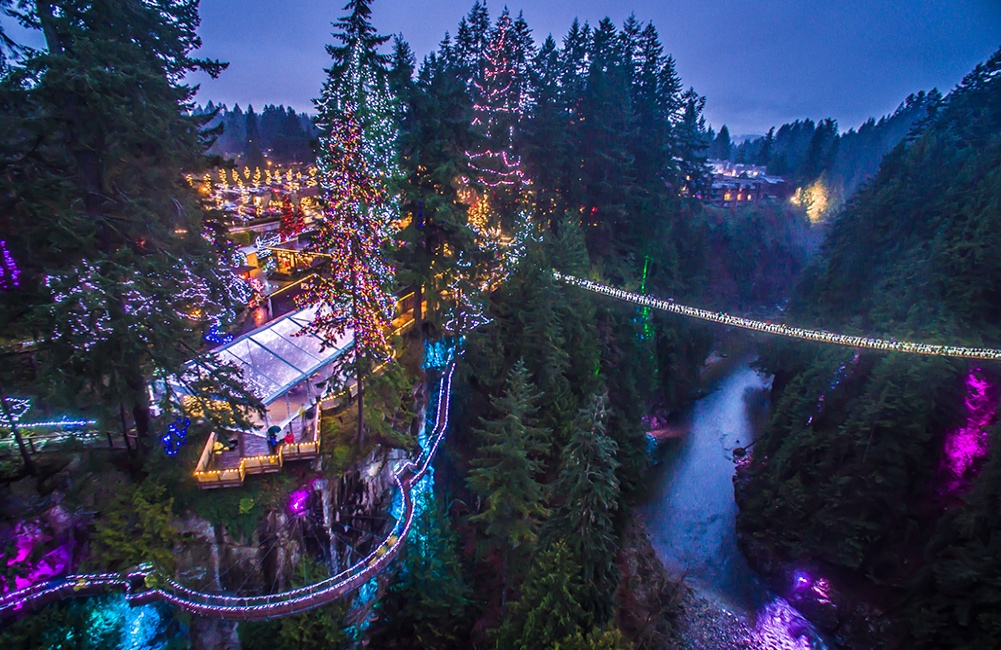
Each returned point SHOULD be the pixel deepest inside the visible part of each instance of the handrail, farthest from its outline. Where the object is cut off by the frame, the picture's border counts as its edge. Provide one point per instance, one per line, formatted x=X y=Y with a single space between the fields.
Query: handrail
x=819 y=336
x=405 y=475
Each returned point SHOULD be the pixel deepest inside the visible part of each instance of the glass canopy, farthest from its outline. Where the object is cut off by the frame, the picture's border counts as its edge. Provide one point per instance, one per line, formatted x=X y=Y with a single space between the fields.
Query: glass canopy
x=274 y=359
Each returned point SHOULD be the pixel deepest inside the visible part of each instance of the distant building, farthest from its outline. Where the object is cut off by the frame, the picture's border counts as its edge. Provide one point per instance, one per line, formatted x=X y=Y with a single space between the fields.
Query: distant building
x=734 y=184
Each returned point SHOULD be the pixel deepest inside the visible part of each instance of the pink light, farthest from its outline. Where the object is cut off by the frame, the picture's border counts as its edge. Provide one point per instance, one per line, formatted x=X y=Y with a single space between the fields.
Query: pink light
x=297 y=502
x=967 y=445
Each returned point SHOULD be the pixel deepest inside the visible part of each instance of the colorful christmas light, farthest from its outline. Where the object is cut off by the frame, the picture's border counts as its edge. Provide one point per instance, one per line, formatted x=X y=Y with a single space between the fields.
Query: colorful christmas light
x=352 y=232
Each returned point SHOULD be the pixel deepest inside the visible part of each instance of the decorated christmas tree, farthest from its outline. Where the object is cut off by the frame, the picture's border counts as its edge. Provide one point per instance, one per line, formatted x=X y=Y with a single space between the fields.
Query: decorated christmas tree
x=292 y=222
x=355 y=297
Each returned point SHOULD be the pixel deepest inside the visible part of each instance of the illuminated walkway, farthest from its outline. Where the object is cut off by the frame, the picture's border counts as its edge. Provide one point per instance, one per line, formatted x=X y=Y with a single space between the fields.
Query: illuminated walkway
x=820 y=336
x=146 y=585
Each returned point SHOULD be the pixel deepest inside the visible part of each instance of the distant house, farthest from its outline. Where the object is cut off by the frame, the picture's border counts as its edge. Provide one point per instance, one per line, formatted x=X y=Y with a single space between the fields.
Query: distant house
x=734 y=184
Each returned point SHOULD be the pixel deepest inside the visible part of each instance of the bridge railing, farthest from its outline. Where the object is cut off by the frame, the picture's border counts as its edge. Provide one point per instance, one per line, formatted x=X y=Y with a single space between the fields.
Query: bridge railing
x=406 y=475
x=162 y=587
x=820 y=336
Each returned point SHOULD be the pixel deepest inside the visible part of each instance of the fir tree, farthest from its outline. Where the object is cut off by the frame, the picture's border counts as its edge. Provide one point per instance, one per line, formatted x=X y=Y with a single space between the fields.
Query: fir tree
x=589 y=490
x=427 y=603
x=355 y=297
x=505 y=471
x=98 y=130
x=550 y=609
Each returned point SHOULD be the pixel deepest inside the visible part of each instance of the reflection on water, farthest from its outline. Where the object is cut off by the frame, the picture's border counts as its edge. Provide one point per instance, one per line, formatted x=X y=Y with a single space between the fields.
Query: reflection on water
x=691 y=514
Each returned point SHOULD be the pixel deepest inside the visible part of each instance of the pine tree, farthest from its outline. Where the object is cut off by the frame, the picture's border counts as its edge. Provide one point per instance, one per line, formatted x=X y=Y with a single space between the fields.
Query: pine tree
x=357 y=160
x=357 y=83
x=589 y=491
x=98 y=132
x=352 y=230
x=550 y=609
x=498 y=104
x=426 y=605
x=255 y=144
x=505 y=471
x=721 y=146
x=434 y=134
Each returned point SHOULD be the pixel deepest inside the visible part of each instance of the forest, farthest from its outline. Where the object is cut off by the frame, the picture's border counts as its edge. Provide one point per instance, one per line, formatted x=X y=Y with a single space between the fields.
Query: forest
x=467 y=178
x=879 y=470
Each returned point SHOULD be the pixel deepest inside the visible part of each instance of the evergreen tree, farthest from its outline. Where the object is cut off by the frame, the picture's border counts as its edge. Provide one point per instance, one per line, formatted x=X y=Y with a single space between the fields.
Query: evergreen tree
x=550 y=609
x=691 y=145
x=434 y=135
x=96 y=211
x=355 y=297
x=427 y=603
x=505 y=472
x=255 y=144
x=589 y=491
x=721 y=148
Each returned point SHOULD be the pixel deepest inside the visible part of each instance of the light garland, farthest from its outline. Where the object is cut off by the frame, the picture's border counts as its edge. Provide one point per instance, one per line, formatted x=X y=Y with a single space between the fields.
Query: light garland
x=17 y=407
x=176 y=436
x=352 y=231
x=819 y=336
x=9 y=273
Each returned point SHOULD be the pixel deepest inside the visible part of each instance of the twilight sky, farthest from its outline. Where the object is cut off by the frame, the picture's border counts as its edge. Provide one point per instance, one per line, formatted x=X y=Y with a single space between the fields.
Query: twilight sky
x=759 y=63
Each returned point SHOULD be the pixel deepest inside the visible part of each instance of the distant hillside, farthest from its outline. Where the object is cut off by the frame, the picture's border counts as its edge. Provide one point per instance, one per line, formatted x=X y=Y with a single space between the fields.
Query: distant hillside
x=277 y=134
x=805 y=151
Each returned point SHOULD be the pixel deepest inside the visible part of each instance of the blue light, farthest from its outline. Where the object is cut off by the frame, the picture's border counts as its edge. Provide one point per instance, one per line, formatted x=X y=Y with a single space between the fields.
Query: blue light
x=217 y=337
x=176 y=436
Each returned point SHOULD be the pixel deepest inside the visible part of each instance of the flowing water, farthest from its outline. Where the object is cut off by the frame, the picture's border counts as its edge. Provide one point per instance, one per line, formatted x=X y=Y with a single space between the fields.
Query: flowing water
x=690 y=513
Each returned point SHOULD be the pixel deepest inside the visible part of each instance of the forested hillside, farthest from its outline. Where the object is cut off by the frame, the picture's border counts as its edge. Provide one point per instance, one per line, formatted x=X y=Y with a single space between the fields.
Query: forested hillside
x=815 y=155
x=880 y=470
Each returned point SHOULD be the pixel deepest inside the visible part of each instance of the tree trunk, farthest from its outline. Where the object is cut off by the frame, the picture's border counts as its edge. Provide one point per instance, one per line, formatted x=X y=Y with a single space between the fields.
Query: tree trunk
x=504 y=576
x=125 y=430
x=361 y=408
x=29 y=465
x=358 y=350
x=419 y=311
x=140 y=415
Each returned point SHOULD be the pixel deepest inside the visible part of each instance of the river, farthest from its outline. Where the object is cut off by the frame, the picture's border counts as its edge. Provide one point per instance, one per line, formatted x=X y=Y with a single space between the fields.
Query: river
x=690 y=514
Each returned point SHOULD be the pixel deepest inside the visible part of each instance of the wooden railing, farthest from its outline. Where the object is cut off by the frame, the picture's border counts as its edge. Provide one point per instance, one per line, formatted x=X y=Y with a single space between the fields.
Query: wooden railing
x=260 y=464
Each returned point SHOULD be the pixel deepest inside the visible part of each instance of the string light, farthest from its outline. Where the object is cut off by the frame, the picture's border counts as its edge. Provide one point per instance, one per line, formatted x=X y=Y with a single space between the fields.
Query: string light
x=819 y=336
x=176 y=436
x=9 y=273
x=352 y=232
x=17 y=407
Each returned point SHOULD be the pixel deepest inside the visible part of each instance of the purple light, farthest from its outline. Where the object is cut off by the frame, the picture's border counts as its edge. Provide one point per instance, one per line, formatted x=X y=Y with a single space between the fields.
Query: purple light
x=800 y=580
x=780 y=627
x=297 y=502
x=965 y=446
x=25 y=538
x=9 y=273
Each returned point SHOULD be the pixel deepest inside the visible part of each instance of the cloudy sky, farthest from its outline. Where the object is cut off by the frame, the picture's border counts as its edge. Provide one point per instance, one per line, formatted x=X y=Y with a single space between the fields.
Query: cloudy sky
x=759 y=63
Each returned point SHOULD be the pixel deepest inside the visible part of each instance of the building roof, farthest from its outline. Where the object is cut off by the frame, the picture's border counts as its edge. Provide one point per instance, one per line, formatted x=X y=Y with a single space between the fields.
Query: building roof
x=274 y=359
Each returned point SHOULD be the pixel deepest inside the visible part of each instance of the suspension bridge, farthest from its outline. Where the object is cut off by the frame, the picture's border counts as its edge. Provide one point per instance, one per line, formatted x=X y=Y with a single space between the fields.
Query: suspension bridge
x=819 y=336
x=145 y=584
